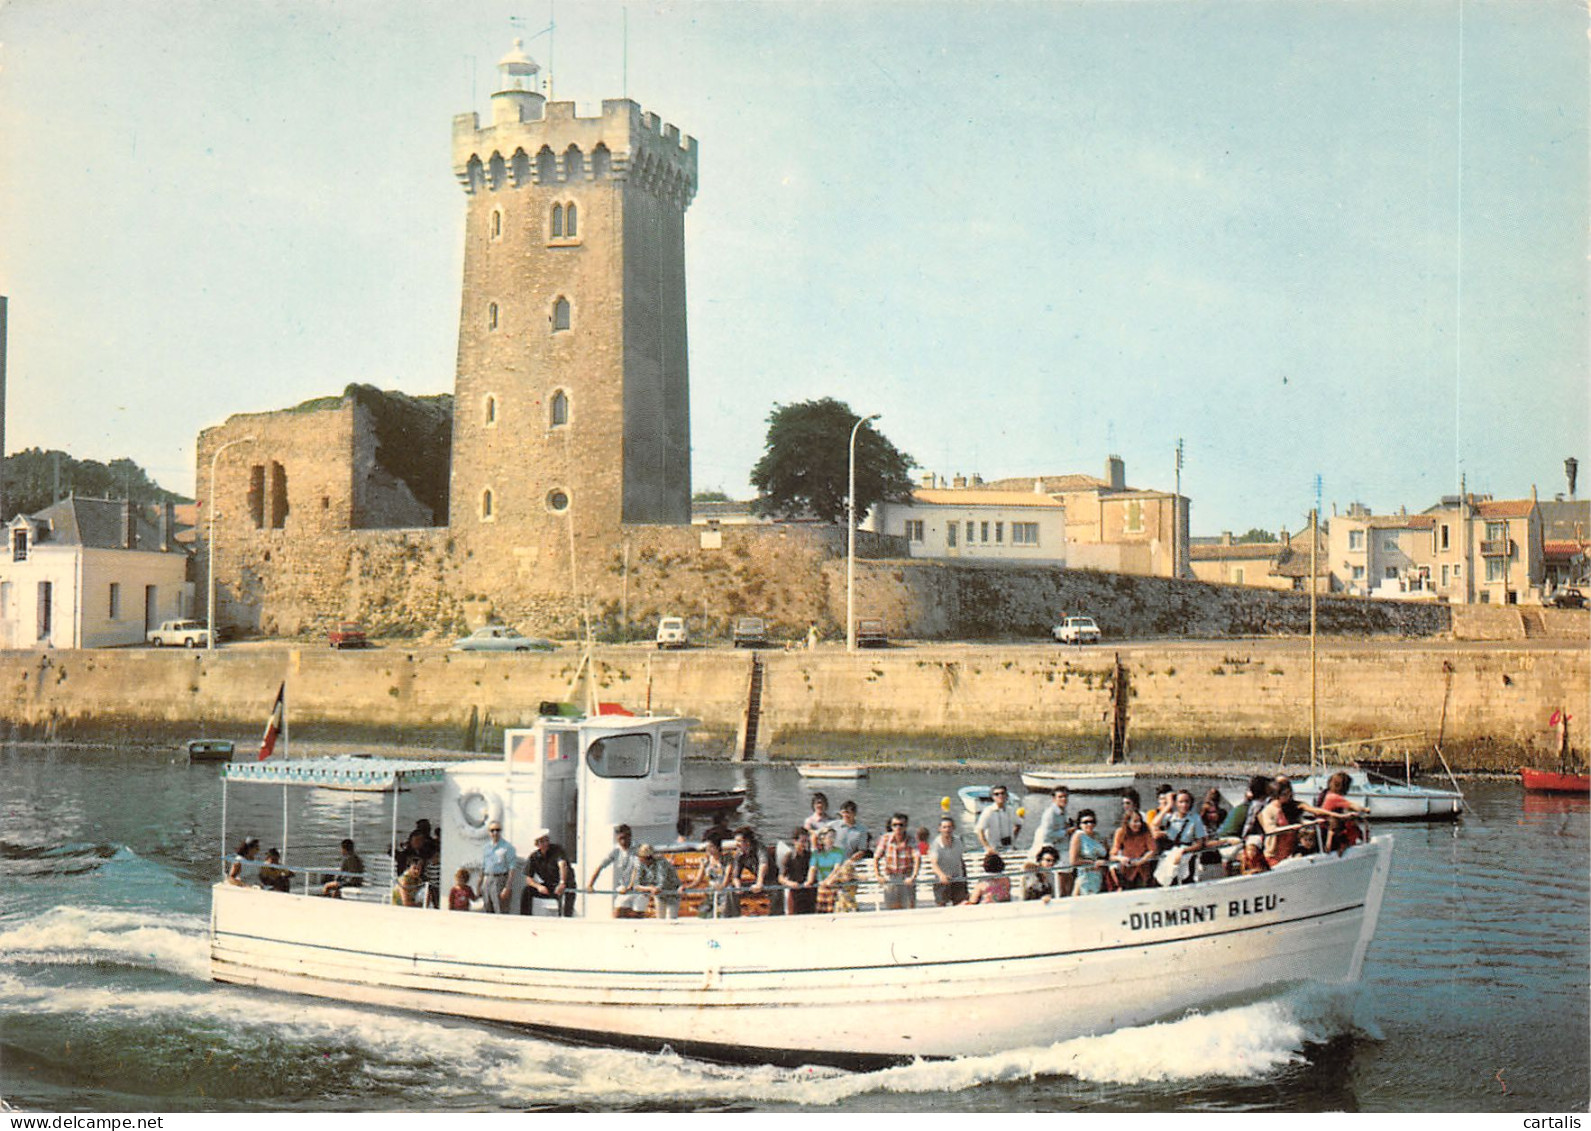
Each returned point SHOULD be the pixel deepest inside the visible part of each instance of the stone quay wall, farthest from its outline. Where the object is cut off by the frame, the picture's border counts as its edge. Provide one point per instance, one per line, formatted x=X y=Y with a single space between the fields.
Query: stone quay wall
x=1491 y=703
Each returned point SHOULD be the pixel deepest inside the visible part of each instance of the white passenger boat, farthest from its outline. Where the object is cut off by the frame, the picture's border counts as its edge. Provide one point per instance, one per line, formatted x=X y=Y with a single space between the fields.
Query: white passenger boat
x=1386 y=800
x=832 y=771
x=836 y=988
x=1078 y=781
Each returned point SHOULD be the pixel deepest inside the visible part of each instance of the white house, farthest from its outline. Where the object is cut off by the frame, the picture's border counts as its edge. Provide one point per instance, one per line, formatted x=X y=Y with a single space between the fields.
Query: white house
x=90 y=573
x=977 y=523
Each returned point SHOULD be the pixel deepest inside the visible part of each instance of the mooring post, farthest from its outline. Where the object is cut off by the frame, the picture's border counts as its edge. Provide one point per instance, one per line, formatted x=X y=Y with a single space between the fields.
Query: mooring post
x=1118 y=713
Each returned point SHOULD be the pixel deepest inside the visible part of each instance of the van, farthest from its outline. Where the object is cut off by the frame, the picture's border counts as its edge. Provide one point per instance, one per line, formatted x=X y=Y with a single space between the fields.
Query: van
x=671 y=633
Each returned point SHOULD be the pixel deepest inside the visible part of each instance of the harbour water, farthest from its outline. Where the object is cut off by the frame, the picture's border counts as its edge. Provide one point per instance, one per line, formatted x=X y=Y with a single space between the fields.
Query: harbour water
x=1475 y=996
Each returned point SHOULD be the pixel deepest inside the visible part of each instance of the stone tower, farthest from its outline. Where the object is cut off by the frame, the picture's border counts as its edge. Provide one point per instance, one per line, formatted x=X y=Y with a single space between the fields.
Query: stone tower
x=571 y=415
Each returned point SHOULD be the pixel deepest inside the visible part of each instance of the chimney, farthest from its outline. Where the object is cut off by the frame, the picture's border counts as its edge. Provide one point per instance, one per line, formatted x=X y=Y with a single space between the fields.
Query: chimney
x=1571 y=467
x=1532 y=492
x=928 y=479
x=1038 y=486
x=1286 y=541
x=1115 y=473
x=1226 y=537
x=977 y=480
x=129 y=525
x=958 y=482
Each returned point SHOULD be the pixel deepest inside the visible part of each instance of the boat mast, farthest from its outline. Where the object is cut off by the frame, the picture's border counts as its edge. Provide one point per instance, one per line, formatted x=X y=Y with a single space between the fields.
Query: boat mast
x=1314 y=542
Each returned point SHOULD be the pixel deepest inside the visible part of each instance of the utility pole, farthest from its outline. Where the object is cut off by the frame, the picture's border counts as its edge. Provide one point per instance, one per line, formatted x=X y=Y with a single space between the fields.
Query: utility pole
x=1176 y=517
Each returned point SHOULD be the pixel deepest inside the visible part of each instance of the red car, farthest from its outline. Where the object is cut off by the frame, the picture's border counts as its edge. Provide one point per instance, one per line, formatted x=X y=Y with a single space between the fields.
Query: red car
x=347 y=635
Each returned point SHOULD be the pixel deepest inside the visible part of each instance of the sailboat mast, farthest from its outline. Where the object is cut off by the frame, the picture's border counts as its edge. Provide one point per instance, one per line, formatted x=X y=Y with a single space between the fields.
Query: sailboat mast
x=1314 y=543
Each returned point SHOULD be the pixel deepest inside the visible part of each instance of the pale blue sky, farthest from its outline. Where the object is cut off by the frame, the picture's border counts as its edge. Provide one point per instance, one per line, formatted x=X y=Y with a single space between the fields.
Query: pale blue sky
x=1344 y=239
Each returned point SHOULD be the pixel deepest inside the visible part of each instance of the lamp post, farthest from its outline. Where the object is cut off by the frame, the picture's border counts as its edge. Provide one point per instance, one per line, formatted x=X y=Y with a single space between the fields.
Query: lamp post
x=850 y=543
x=209 y=608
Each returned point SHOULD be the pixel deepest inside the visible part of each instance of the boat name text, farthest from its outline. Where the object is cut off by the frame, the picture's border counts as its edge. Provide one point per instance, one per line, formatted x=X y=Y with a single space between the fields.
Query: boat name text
x=1202 y=913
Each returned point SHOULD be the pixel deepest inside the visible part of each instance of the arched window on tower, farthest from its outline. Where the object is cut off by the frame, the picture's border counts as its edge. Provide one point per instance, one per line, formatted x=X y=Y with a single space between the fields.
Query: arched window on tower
x=569 y=228
x=574 y=166
x=546 y=167
x=560 y=314
x=486 y=505
x=557 y=221
x=497 y=223
x=559 y=415
x=491 y=316
x=601 y=162
x=498 y=171
x=521 y=169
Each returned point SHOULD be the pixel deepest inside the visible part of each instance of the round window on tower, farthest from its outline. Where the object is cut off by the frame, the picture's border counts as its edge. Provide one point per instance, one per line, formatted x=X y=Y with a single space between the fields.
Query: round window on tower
x=557 y=500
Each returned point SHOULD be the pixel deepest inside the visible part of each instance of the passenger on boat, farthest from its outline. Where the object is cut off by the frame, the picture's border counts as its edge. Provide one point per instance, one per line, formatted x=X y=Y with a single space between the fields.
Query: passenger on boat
x=627 y=902
x=1165 y=805
x=1133 y=852
x=1053 y=830
x=1182 y=834
x=994 y=887
x=851 y=837
x=718 y=831
x=948 y=865
x=819 y=818
x=1343 y=815
x=497 y=870
x=1243 y=820
x=548 y=879
x=422 y=847
x=1279 y=820
x=406 y=892
x=274 y=877
x=753 y=868
x=1088 y=855
x=682 y=831
x=713 y=874
x=793 y=871
x=1253 y=861
x=997 y=825
x=1038 y=881
x=922 y=840
x=824 y=861
x=245 y=871
x=659 y=880
x=1212 y=810
x=895 y=863
x=842 y=883
x=350 y=872
x=461 y=895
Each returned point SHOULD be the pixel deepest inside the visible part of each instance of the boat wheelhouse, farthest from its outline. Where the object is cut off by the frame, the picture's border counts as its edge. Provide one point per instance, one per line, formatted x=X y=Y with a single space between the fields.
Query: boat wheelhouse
x=847 y=988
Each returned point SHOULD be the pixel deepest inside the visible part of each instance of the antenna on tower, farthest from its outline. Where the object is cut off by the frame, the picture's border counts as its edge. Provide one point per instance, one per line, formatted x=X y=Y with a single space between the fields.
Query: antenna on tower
x=624 y=65
x=518 y=24
x=1318 y=483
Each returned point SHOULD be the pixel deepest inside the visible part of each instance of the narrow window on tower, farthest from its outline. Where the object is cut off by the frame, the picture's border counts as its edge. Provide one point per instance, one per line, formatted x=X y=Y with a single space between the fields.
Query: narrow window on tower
x=491 y=316
x=560 y=314
x=559 y=415
x=497 y=223
x=490 y=411
x=569 y=222
x=486 y=505
x=557 y=221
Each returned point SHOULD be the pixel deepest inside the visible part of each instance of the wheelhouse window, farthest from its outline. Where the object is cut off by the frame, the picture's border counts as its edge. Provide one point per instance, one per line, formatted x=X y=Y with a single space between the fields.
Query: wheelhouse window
x=620 y=756
x=669 y=752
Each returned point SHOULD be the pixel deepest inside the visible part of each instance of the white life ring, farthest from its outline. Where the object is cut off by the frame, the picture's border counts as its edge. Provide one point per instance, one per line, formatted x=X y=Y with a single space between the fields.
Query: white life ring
x=477 y=810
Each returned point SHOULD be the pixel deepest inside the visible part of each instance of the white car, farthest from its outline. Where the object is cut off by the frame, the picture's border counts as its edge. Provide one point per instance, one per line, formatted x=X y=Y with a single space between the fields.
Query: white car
x=179 y=633
x=1076 y=630
x=501 y=638
x=671 y=633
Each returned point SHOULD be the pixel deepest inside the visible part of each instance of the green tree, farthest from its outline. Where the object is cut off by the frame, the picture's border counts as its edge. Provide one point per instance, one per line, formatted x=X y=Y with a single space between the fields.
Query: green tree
x=806 y=459
x=710 y=497
x=32 y=478
x=1255 y=534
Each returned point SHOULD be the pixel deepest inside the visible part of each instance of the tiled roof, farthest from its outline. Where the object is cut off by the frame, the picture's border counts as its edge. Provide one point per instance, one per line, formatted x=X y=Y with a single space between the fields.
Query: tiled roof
x=1052 y=484
x=1236 y=551
x=1401 y=522
x=982 y=497
x=1504 y=508
x=1557 y=549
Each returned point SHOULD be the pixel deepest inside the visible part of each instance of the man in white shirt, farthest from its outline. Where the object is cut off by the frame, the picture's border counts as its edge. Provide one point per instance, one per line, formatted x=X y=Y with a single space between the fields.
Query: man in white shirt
x=998 y=826
x=1053 y=831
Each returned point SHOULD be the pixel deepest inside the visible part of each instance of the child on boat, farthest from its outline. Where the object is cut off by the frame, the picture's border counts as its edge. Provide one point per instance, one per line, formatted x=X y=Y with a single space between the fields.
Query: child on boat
x=994 y=887
x=461 y=895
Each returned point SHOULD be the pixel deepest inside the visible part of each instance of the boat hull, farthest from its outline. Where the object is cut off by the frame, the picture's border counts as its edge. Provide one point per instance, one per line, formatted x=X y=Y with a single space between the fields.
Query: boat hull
x=1547 y=781
x=1390 y=801
x=824 y=771
x=1085 y=781
x=937 y=982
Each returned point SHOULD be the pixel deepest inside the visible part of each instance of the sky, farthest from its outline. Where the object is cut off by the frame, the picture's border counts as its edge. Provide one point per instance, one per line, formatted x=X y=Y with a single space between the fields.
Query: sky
x=1339 y=242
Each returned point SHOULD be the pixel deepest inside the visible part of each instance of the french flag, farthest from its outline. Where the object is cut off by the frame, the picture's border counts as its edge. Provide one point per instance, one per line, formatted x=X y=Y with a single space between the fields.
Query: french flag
x=273 y=725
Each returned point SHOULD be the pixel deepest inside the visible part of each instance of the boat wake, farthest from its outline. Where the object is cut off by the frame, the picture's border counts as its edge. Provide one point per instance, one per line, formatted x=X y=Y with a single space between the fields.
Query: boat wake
x=68 y=936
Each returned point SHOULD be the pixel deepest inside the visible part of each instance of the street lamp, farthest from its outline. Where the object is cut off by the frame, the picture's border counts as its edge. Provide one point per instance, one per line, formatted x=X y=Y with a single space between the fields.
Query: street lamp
x=850 y=543
x=209 y=608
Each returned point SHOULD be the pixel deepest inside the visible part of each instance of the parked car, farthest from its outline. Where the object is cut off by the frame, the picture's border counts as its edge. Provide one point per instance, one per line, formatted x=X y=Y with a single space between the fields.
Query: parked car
x=870 y=633
x=1568 y=599
x=347 y=635
x=179 y=633
x=1076 y=630
x=671 y=633
x=502 y=638
x=750 y=632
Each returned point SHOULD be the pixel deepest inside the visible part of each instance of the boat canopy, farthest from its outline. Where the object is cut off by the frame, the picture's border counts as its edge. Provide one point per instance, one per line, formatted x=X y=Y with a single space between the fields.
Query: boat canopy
x=348 y=771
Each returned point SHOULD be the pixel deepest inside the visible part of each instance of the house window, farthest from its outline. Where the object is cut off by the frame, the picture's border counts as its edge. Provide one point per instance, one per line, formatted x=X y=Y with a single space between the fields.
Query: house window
x=1444 y=570
x=46 y=609
x=487 y=513
x=983 y=533
x=1389 y=543
x=557 y=221
x=914 y=530
x=1358 y=573
x=999 y=532
x=19 y=545
x=1356 y=539
x=972 y=529
x=569 y=222
x=950 y=534
x=1392 y=573
x=115 y=600
x=491 y=316
x=1237 y=575
x=1444 y=535
x=490 y=411
x=1496 y=531
x=1135 y=517
x=557 y=500
x=1496 y=569
x=1024 y=534
x=497 y=223
x=560 y=314
x=558 y=416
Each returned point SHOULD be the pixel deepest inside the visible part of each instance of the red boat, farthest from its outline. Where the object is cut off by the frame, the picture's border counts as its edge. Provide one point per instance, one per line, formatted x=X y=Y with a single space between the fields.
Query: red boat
x=1549 y=781
x=711 y=802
